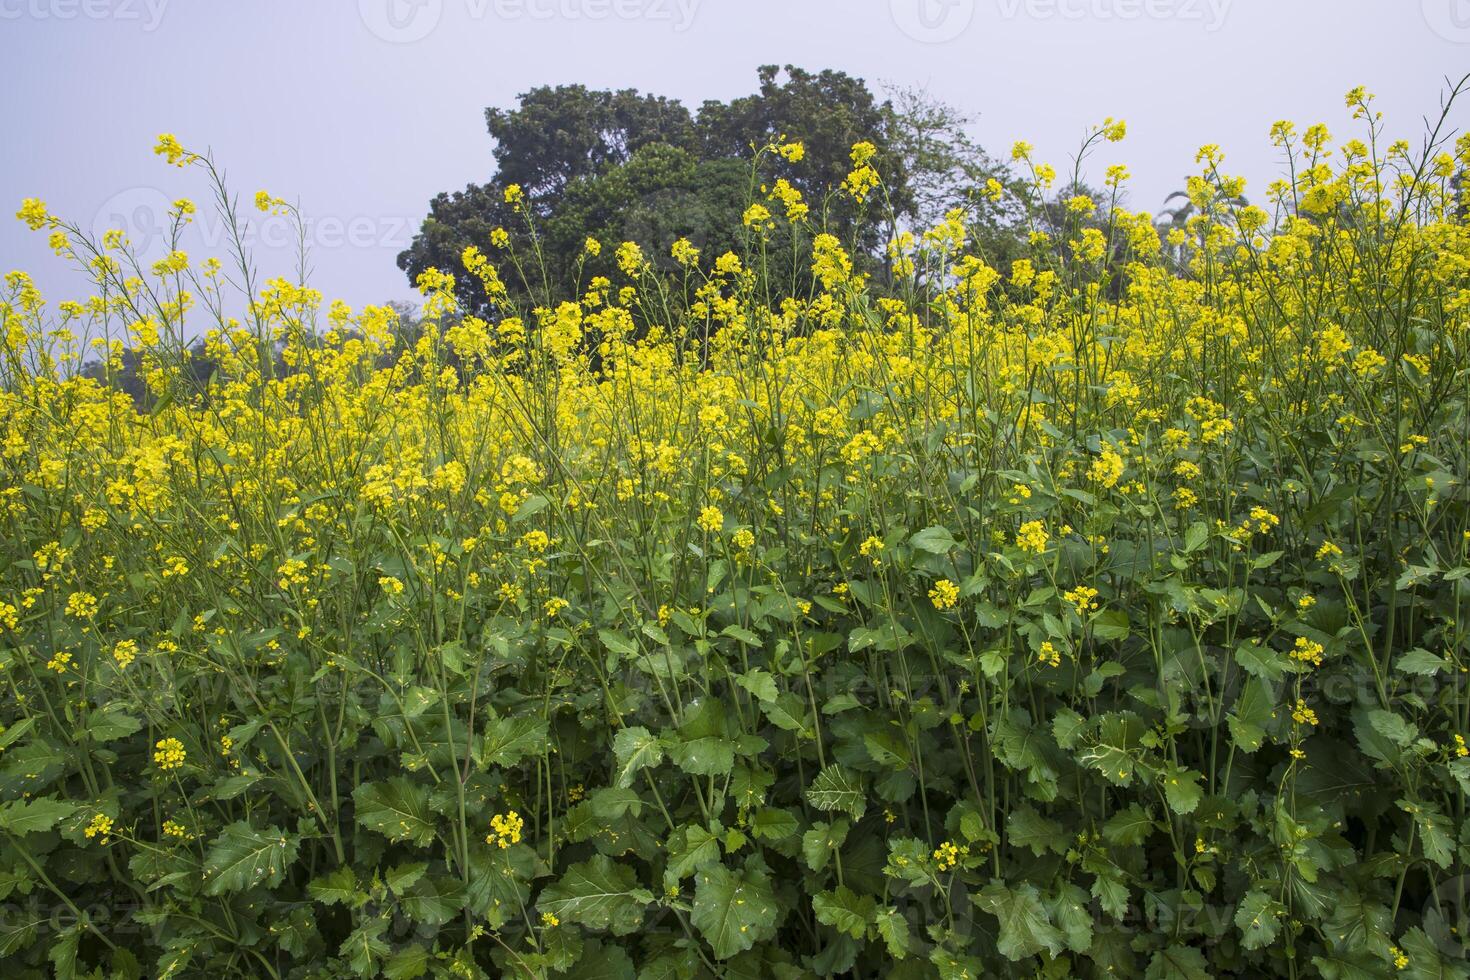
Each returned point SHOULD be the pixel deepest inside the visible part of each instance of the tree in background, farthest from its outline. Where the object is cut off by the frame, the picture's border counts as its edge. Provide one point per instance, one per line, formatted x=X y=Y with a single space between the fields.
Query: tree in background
x=628 y=166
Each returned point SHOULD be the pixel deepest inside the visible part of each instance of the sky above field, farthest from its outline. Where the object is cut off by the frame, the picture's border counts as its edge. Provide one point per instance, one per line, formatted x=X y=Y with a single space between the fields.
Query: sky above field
x=362 y=110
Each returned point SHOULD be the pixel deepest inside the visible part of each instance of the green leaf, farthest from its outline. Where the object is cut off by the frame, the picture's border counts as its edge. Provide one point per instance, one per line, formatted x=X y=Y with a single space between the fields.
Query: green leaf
x=788 y=713
x=618 y=643
x=1259 y=919
x=1070 y=911
x=29 y=817
x=599 y=894
x=242 y=857
x=1252 y=713
x=708 y=756
x=936 y=540
x=1261 y=661
x=759 y=683
x=894 y=929
x=819 y=843
x=232 y=786
x=508 y=740
x=1110 y=624
x=1129 y=826
x=691 y=847
x=770 y=823
x=702 y=745
x=635 y=748
x=365 y=947
x=1027 y=828
x=403 y=877
x=1421 y=663
x=1178 y=963
x=835 y=788
x=1392 y=727
x=733 y=910
x=63 y=952
x=1195 y=536
x=337 y=887
x=1025 y=926
x=1436 y=832
x=434 y=901
x=112 y=724
x=529 y=508
x=1181 y=788
x=408 y=963
x=844 y=911
x=398 y=809
x=740 y=633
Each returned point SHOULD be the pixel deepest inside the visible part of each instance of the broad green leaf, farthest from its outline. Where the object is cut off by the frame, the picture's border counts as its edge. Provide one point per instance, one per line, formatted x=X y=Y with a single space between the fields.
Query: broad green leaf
x=844 y=910
x=242 y=857
x=403 y=877
x=1128 y=826
x=1025 y=926
x=1181 y=788
x=365 y=948
x=1420 y=662
x=709 y=756
x=408 y=963
x=818 y=843
x=1436 y=832
x=338 y=887
x=788 y=713
x=112 y=724
x=733 y=910
x=773 y=824
x=935 y=540
x=759 y=683
x=599 y=894
x=398 y=809
x=1070 y=911
x=894 y=929
x=690 y=848
x=835 y=788
x=1392 y=727
x=1178 y=963
x=1261 y=661
x=434 y=901
x=32 y=816
x=508 y=740
x=1027 y=828
x=1259 y=919
x=635 y=748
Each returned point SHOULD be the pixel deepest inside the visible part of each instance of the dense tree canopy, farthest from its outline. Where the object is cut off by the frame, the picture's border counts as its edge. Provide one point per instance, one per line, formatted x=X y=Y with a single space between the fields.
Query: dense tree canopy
x=623 y=165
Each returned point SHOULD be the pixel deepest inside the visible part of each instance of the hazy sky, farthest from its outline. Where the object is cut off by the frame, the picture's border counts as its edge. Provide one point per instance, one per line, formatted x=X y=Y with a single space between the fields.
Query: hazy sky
x=363 y=109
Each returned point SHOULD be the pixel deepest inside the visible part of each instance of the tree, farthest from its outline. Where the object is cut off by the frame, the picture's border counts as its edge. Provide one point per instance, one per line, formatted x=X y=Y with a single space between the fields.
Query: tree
x=558 y=134
x=628 y=166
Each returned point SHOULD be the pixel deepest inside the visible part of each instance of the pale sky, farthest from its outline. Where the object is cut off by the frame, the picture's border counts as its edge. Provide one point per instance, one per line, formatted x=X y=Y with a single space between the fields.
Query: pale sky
x=362 y=110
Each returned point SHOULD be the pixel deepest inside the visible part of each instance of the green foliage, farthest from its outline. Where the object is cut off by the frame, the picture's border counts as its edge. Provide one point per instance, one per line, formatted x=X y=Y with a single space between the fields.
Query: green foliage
x=1042 y=625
